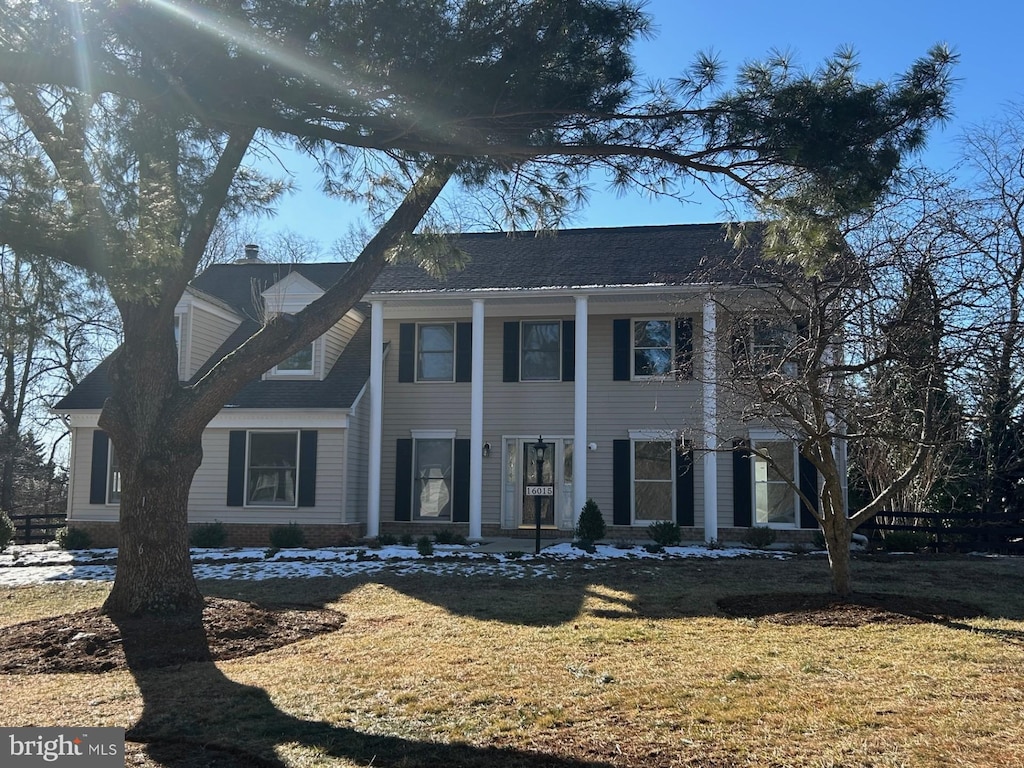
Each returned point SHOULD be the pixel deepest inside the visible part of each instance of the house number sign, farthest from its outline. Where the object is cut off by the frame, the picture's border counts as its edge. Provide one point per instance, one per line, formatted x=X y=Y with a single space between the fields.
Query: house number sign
x=540 y=490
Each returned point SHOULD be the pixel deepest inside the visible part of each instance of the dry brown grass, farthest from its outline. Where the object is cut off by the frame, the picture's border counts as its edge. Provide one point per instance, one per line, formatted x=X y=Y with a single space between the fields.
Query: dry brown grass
x=620 y=664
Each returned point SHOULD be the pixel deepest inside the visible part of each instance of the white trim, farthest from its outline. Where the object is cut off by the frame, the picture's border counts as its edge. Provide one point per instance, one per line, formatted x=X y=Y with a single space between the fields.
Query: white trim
x=709 y=399
x=375 y=426
x=291 y=294
x=653 y=434
x=580 y=405
x=432 y=434
x=257 y=418
x=195 y=298
x=315 y=365
x=107 y=480
x=476 y=423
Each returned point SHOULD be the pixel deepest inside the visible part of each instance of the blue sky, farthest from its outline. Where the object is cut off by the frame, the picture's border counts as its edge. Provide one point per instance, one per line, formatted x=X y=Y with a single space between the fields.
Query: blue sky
x=887 y=34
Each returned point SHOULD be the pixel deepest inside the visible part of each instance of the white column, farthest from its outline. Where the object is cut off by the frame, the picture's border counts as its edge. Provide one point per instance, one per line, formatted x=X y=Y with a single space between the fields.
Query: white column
x=579 y=432
x=476 y=424
x=709 y=353
x=376 y=417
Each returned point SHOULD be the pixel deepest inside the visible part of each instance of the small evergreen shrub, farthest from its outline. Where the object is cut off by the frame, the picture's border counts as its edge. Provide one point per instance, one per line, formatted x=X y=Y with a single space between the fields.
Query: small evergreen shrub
x=665 y=533
x=73 y=538
x=905 y=541
x=425 y=546
x=590 y=527
x=759 y=537
x=387 y=540
x=6 y=530
x=406 y=540
x=819 y=539
x=287 y=536
x=208 y=535
x=447 y=536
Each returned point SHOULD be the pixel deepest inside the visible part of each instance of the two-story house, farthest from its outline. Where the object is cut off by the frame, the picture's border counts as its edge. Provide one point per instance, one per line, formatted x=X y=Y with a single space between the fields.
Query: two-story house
x=425 y=406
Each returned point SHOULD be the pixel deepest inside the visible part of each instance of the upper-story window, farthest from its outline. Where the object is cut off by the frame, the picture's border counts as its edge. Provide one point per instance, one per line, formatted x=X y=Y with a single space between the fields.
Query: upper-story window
x=298 y=364
x=653 y=348
x=765 y=347
x=435 y=352
x=541 y=351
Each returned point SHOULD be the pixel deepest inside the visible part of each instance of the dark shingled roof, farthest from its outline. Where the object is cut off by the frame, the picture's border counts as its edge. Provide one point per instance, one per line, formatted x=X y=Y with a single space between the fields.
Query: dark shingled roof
x=669 y=255
x=622 y=256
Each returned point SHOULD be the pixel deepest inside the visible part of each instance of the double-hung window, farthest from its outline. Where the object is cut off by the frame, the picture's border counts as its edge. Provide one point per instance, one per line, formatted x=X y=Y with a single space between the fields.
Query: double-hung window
x=653 y=474
x=775 y=468
x=766 y=347
x=432 y=478
x=541 y=351
x=653 y=348
x=435 y=358
x=272 y=469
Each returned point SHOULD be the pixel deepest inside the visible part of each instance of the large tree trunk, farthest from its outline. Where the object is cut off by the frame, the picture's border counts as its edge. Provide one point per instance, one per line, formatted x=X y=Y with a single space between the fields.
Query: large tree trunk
x=154 y=570
x=158 y=450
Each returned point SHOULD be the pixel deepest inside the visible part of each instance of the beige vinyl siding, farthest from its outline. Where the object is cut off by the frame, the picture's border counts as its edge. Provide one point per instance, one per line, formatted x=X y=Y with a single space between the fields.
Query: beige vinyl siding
x=207 y=500
x=615 y=407
x=185 y=321
x=208 y=332
x=355 y=495
x=208 y=494
x=81 y=472
x=336 y=339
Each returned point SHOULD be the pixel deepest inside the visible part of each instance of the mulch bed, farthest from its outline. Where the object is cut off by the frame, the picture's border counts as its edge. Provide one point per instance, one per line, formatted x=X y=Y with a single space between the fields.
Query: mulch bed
x=825 y=610
x=88 y=641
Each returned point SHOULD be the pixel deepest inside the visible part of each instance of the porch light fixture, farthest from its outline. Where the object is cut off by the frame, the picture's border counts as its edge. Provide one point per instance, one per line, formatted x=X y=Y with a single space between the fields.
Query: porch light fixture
x=487 y=450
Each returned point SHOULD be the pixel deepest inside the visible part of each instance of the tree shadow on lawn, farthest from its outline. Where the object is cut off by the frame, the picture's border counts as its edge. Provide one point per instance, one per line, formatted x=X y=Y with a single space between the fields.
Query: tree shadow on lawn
x=194 y=715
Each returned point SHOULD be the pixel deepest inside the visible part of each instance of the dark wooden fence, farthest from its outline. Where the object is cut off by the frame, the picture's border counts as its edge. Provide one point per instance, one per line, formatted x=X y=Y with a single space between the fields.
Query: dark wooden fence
x=1001 y=533
x=37 y=528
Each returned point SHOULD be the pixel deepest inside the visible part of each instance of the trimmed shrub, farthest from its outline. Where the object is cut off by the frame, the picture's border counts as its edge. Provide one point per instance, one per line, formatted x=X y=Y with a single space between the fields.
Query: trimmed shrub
x=73 y=538
x=208 y=535
x=665 y=533
x=759 y=537
x=447 y=536
x=6 y=530
x=425 y=546
x=287 y=536
x=387 y=540
x=406 y=540
x=590 y=527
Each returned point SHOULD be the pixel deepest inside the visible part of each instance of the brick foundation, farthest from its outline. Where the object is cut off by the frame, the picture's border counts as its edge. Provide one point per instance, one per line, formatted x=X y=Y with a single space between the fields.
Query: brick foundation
x=238 y=534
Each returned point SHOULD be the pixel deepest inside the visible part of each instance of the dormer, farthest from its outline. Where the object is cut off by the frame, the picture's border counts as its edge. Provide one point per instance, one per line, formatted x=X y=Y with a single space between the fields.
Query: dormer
x=202 y=323
x=291 y=295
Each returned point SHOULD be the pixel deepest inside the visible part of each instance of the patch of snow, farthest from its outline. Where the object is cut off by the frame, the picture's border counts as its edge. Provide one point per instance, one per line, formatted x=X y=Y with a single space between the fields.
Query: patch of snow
x=37 y=564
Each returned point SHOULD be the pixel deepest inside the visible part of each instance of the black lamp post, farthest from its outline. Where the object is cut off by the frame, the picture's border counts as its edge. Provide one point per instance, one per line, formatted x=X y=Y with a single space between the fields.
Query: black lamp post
x=539 y=450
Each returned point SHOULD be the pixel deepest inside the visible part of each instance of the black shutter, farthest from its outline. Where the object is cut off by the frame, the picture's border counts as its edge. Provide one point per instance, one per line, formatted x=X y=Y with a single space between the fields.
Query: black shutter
x=98 y=470
x=809 y=488
x=236 y=468
x=621 y=343
x=684 y=347
x=510 y=364
x=460 y=483
x=742 y=490
x=463 y=351
x=407 y=352
x=403 y=479
x=622 y=483
x=307 y=468
x=568 y=350
x=684 y=484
